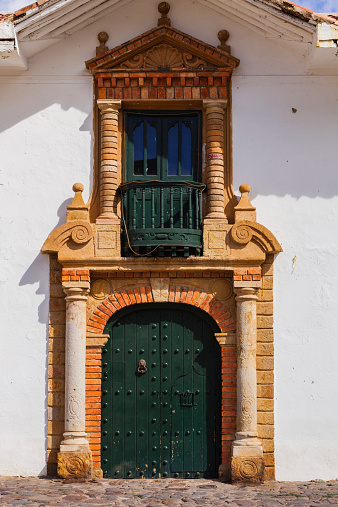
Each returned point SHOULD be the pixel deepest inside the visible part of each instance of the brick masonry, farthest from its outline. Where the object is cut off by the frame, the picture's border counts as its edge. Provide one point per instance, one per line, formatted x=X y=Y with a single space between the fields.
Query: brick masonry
x=122 y=85
x=141 y=292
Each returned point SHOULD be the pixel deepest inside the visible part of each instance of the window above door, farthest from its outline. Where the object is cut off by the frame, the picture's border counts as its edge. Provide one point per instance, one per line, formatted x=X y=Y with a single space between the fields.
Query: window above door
x=162 y=146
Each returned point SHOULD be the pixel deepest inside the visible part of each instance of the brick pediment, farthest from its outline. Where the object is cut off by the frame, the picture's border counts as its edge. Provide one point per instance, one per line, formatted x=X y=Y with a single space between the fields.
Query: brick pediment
x=163 y=48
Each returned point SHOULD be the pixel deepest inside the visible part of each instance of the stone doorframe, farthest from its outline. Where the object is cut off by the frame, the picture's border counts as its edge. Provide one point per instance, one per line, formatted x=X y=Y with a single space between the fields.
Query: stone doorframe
x=247 y=464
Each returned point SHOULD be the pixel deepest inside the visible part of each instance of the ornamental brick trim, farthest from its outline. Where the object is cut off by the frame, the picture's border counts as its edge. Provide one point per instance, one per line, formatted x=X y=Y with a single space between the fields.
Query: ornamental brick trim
x=122 y=85
x=116 y=301
x=177 y=294
x=206 y=302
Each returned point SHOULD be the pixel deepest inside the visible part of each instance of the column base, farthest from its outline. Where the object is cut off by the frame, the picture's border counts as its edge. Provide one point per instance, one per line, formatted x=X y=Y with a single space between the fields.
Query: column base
x=247 y=469
x=247 y=462
x=75 y=465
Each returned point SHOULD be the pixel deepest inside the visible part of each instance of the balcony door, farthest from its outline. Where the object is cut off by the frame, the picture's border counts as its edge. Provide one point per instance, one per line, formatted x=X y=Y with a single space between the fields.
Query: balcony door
x=162 y=189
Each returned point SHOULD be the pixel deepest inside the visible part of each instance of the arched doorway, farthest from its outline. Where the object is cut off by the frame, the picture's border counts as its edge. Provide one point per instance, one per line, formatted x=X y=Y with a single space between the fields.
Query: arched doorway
x=165 y=421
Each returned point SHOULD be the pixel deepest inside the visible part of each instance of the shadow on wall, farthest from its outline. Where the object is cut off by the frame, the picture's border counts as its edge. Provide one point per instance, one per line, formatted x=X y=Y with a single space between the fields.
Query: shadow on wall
x=48 y=122
x=36 y=274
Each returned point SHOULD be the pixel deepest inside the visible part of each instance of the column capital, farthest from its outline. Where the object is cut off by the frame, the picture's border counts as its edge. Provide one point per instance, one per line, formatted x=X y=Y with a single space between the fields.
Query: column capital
x=109 y=105
x=226 y=339
x=76 y=291
x=216 y=104
x=246 y=293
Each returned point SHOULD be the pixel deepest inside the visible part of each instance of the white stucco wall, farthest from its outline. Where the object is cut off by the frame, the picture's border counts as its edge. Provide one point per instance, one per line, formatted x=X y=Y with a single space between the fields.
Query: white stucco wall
x=288 y=159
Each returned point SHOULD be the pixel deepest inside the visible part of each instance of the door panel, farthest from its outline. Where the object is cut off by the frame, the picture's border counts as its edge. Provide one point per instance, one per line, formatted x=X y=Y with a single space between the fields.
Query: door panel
x=164 y=422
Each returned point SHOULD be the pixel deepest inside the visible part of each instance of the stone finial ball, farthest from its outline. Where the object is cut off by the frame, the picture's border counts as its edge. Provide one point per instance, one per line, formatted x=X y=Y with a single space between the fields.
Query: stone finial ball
x=223 y=36
x=244 y=188
x=163 y=8
x=103 y=37
x=78 y=187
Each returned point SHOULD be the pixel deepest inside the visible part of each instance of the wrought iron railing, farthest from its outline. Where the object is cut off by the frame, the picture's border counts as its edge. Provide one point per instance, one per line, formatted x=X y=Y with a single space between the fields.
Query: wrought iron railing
x=162 y=218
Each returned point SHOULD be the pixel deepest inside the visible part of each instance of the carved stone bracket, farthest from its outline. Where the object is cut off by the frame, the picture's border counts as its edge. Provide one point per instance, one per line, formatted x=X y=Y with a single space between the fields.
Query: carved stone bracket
x=245 y=231
x=78 y=231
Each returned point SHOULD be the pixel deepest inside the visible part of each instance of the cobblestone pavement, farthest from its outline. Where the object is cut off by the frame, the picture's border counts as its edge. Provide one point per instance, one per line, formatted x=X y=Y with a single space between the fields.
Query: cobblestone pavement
x=43 y=492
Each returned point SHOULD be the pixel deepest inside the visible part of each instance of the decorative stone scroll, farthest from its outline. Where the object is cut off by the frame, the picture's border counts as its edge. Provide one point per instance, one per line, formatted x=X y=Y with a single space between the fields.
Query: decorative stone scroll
x=78 y=231
x=244 y=232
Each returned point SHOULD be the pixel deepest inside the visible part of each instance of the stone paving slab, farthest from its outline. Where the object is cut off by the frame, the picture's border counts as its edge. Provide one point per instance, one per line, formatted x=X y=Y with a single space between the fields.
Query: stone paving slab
x=43 y=492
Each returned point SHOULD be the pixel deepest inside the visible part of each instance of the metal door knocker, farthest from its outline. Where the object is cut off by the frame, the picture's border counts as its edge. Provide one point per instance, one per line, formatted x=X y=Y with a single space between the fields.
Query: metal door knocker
x=141 y=367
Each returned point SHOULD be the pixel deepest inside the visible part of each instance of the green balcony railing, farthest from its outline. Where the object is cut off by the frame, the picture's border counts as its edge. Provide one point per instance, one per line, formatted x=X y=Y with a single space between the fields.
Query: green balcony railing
x=162 y=218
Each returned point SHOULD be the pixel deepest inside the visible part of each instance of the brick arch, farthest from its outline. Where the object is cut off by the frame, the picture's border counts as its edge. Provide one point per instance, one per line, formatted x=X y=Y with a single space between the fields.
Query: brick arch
x=176 y=294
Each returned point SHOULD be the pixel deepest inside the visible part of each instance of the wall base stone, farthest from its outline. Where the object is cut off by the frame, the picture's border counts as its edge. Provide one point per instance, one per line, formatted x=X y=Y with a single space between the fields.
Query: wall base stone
x=224 y=473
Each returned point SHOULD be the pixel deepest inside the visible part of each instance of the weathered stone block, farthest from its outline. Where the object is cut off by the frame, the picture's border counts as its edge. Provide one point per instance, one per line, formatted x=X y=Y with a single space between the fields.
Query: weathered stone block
x=264 y=308
x=265 y=418
x=265 y=377
x=264 y=335
x=75 y=465
x=247 y=470
x=265 y=431
x=268 y=445
x=265 y=363
x=265 y=349
x=264 y=322
x=265 y=405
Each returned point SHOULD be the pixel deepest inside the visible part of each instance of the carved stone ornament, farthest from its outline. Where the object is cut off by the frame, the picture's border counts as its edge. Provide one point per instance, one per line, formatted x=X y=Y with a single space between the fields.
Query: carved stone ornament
x=164 y=56
x=75 y=465
x=243 y=232
x=247 y=469
x=78 y=231
x=100 y=289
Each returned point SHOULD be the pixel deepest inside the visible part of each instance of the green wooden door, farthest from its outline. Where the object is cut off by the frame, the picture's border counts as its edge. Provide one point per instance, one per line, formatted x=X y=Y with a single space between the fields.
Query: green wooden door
x=164 y=422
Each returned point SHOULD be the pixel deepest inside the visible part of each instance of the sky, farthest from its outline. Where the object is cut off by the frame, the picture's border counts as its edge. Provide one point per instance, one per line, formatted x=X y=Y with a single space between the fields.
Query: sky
x=315 y=5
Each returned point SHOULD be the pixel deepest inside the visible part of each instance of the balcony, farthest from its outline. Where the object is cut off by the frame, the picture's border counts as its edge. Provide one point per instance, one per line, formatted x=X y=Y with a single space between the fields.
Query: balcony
x=161 y=218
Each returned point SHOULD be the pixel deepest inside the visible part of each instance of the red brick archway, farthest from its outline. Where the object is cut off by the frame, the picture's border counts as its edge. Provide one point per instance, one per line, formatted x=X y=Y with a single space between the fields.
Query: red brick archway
x=177 y=294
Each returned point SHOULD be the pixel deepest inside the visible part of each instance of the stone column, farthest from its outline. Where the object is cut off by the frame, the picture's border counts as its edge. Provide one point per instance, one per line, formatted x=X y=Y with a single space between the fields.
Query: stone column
x=215 y=223
x=215 y=158
x=108 y=160
x=247 y=464
x=75 y=459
